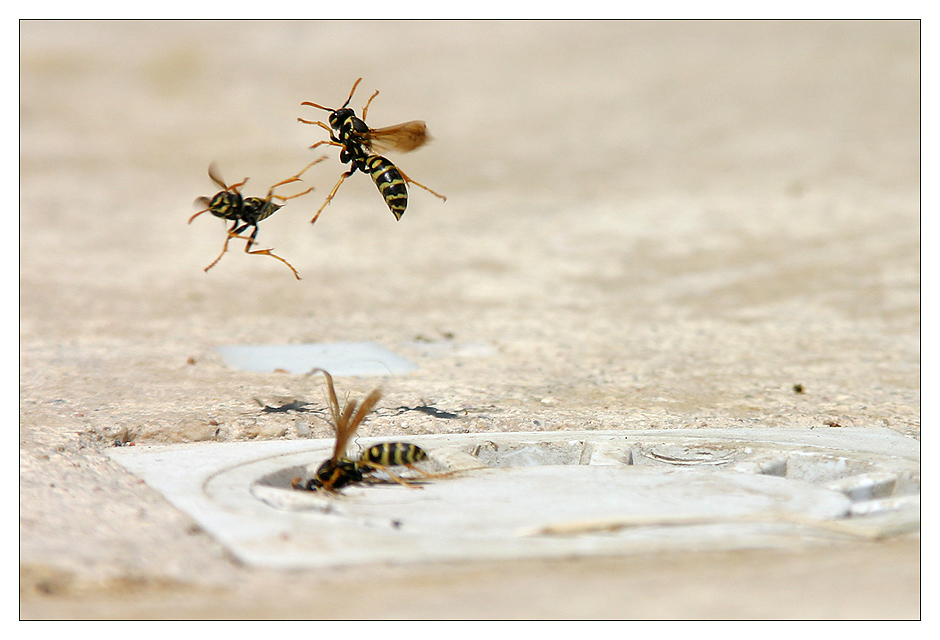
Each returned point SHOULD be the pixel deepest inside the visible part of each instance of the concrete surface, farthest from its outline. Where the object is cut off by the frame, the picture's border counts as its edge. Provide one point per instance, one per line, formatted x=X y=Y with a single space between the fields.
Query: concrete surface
x=648 y=225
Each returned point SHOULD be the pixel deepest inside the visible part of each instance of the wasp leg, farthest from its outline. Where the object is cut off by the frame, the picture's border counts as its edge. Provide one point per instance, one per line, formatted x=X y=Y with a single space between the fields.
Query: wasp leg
x=237 y=185
x=294 y=178
x=409 y=180
x=262 y=252
x=427 y=474
x=286 y=198
x=365 y=109
x=318 y=123
x=332 y=193
x=330 y=142
x=399 y=480
x=249 y=241
x=267 y=252
x=232 y=233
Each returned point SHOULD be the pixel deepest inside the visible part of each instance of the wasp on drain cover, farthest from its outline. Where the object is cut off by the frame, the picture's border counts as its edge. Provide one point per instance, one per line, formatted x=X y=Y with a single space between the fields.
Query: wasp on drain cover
x=230 y=204
x=339 y=470
x=358 y=143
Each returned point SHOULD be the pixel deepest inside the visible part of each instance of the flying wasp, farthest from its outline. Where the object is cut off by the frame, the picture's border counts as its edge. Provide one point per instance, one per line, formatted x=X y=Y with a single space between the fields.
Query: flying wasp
x=358 y=143
x=340 y=470
x=230 y=204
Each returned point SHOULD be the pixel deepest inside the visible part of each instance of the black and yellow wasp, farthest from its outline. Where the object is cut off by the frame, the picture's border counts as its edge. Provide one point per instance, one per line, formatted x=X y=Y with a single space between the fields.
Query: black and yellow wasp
x=230 y=204
x=358 y=145
x=340 y=470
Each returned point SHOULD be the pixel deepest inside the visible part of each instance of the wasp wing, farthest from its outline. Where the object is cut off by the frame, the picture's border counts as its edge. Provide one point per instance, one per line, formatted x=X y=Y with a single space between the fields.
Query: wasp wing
x=216 y=178
x=365 y=408
x=350 y=421
x=345 y=428
x=406 y=136
x=201 y=201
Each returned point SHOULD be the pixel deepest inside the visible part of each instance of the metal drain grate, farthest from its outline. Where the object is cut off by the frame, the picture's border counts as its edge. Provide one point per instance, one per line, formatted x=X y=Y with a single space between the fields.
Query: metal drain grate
x=549 y=494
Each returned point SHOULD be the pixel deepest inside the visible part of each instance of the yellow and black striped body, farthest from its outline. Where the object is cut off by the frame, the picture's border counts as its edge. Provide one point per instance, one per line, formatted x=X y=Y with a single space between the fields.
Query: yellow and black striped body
x=256 y=210
x=391 y=454
x=358 y=146
x=385 y=175
x=391 y=185
x=333 y=475
x=245 y=213
x=230 y=205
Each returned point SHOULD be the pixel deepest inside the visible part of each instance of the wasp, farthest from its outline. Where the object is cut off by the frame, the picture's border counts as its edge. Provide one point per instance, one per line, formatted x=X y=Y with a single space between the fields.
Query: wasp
x=246 y=212
x=358 y=144
x=340 y=470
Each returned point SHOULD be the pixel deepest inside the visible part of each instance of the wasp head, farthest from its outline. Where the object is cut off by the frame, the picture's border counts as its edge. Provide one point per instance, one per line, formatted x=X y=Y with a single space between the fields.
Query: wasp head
x=226 y=204
x=332 y=475
x=340 y=116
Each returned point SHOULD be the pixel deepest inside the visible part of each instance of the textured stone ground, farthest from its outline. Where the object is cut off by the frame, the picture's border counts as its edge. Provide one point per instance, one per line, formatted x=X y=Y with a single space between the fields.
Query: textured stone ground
x=647 y=225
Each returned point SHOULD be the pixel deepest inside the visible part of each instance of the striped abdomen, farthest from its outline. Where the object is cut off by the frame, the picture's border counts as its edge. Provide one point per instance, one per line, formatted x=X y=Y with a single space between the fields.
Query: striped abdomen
x=388 y=179
x=390 y=454
x=257 y=209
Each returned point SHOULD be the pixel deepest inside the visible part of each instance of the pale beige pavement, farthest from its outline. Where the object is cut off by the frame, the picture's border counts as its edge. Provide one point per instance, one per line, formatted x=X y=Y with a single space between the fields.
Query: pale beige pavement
x=647 y=225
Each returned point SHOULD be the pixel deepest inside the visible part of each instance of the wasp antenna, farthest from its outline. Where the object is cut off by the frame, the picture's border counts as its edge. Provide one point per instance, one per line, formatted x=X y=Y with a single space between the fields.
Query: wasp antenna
x=196 y=215
x=365 y=109
x=312 y=104
x=355 y=84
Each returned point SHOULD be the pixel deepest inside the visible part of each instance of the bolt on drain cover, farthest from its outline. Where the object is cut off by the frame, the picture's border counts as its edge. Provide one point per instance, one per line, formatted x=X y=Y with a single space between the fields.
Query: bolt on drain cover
x=513 y=495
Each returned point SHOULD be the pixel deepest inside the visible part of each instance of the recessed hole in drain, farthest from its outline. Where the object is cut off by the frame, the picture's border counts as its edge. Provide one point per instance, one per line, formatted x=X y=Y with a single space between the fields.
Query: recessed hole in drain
x=493 y=454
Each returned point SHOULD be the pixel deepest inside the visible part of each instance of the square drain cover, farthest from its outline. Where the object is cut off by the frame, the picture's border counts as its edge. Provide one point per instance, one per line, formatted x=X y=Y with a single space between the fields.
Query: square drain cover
x=517 y=495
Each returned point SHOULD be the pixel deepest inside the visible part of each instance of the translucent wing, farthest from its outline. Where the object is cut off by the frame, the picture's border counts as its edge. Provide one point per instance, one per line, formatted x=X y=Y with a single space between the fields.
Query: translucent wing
x=352 y=419
x=203 y=202
x=348 y=420
x=216 y=178
x=407 y=136
x=365 y=408
x=345 y=428
x=331 y=392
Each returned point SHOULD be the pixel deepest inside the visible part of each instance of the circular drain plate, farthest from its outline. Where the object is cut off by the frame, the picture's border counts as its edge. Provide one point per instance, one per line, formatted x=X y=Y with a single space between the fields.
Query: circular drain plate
x=500 y=502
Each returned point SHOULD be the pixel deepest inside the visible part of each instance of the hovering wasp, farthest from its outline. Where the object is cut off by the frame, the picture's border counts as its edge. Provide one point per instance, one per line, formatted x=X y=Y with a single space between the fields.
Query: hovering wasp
x=339 y=470
x=230 y=204
x=358 y=143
